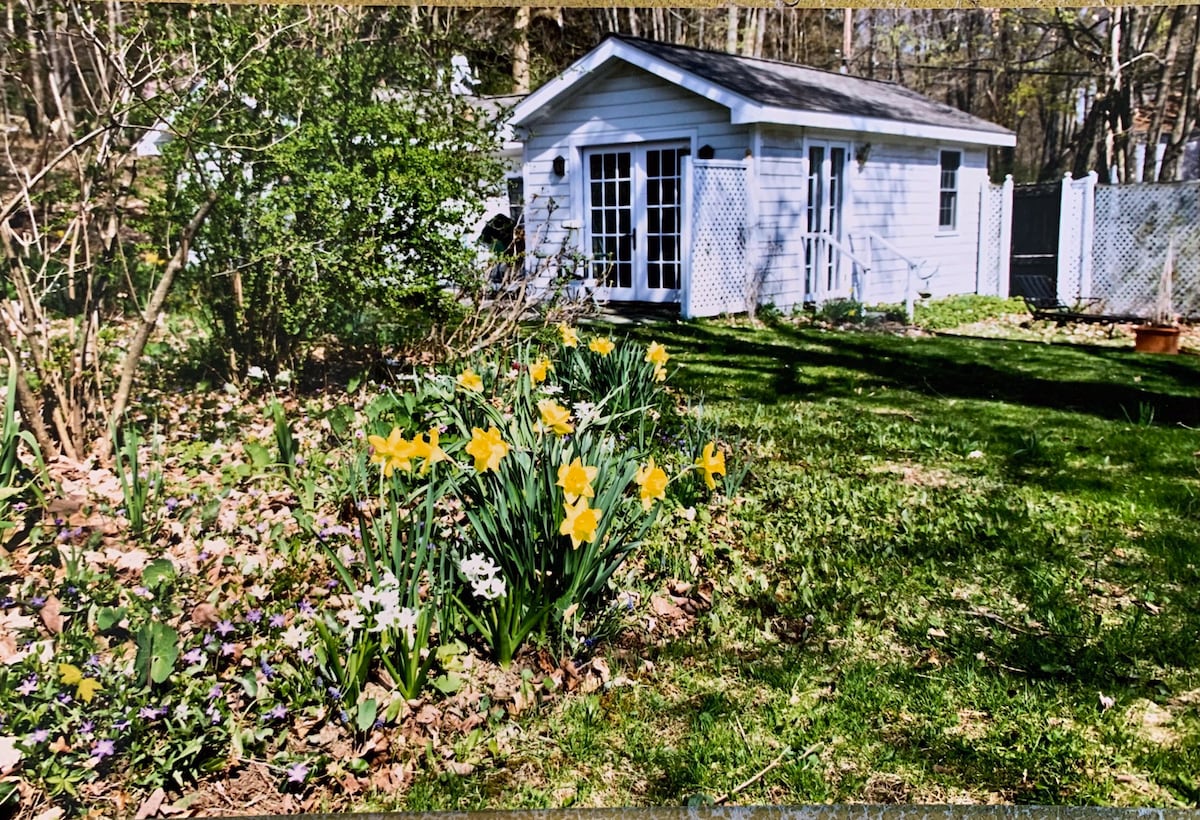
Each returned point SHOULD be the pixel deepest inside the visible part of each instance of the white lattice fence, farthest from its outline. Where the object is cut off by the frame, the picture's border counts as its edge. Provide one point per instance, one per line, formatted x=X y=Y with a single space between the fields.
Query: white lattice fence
x=719 y=231
x=995 y=217
x=1134 y=225
x=1075 y=236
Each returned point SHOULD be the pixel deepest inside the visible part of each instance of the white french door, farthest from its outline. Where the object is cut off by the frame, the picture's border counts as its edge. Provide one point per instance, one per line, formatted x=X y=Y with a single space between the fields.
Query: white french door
x=825 y=275
x=635 y=220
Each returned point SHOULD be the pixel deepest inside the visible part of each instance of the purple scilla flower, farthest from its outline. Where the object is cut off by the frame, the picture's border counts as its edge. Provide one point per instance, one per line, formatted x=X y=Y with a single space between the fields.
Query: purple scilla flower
x=224 y=628
x=37 y=601
x=7 y=602
x=39 y=736
x=267 y=671
x=152 y=712
x=28 y=686
x=332 y=583
x=194 y=656
x=277 y=621
x=172 y=503
x=227 y=649
x=307 y=655
x=93 y=663
x=297 y=773
x=214 y=717
x=306 y=608
x=216 y=691
x=254 y=616
x=86 y=728
x=64 y=698
x=334 y=692
x=102 y=749
x=202 y=556
x=121 y=725
x=209 y=640
x=278 y=712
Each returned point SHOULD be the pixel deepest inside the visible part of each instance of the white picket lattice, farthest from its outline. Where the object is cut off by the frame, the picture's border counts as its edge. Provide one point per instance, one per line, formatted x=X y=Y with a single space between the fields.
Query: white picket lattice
x=1075 y=264
x=995 y=220
x=719 y=266
x=1134 y=225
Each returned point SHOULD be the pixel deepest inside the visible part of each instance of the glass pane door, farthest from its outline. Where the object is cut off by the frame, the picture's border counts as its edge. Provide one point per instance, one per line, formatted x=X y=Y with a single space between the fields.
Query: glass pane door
x=635 y=220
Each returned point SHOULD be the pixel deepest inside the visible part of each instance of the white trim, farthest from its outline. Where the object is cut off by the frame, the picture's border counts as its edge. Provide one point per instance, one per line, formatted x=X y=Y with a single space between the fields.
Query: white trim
x=742 y=110
x=870 y=125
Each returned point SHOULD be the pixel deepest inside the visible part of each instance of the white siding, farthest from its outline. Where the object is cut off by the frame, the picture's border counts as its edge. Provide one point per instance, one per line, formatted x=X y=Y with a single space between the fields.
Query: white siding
x=896 y=196
x=893 y=195
x=621 y=105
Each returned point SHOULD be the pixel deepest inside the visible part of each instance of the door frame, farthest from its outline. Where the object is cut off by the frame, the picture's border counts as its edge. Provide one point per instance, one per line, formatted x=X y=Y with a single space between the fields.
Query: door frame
x=828 y=276
x=639 y=206
x=603 y=136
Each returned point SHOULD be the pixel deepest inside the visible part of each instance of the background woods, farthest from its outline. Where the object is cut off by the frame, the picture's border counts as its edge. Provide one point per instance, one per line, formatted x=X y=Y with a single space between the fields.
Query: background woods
x=1081 y=87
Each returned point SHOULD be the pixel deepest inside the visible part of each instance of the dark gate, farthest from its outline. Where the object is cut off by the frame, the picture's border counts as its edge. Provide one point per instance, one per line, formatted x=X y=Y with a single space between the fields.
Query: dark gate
x=1034 y=264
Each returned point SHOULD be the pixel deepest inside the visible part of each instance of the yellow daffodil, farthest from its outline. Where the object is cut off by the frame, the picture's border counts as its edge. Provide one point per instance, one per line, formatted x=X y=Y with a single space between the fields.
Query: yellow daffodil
x=555 y=418
x=71 y=675
x=602 y=346
x=580 y=522
x=653 y=481
x=392 y=452
x=656 y=354
x=660 y=374
x=711 y=464
x=539 y=370
x=576 y=480
x=487 y=449
x=469 y=380
x=568 y=335
x=426 y=448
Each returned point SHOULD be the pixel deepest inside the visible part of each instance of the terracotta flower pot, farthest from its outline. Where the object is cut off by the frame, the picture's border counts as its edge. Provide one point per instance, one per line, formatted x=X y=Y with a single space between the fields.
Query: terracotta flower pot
x=1155 y=339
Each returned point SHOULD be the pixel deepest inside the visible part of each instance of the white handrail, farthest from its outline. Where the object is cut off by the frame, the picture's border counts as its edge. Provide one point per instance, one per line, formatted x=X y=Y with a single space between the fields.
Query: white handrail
x=843 y=248
x=913 y=267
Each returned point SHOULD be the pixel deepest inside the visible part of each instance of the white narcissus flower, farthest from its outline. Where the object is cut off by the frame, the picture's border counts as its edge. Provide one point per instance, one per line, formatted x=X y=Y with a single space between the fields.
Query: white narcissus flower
x=295 y=636
x=352 y=618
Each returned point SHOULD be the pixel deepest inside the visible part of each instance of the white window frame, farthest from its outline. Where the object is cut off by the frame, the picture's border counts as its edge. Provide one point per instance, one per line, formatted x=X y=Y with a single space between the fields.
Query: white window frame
x=954 y=190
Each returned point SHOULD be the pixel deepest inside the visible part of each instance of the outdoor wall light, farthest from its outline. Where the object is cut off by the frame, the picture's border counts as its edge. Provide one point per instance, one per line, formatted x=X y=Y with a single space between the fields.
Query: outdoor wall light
x=706 y=152
x=560 y=166
x=862 y=153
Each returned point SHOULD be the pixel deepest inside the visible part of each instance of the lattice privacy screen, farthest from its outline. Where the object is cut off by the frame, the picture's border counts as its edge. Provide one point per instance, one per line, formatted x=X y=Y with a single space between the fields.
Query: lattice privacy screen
x=1075 y=233
x=992 y=238
x=1134 y=224
x=719 y=228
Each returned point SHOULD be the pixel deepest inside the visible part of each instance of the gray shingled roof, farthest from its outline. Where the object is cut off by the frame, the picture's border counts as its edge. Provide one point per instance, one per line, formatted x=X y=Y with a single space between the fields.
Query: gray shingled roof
x=785 y=85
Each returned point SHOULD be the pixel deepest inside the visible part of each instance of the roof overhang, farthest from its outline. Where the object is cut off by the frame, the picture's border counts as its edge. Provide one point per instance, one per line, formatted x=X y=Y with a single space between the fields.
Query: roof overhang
x=742 y=110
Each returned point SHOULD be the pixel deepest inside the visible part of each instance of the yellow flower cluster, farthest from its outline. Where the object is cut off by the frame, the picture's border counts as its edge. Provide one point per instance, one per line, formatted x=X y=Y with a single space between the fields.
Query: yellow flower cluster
x=396 y=452
x=487 y=449
x=470 y=380
x=710 y=464
x=600 y=345
x=579 y=520
x=656 y=354
x=555 y=418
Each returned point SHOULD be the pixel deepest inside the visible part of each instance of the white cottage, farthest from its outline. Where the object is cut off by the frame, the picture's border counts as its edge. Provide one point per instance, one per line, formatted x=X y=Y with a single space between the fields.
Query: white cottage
x=718 y=181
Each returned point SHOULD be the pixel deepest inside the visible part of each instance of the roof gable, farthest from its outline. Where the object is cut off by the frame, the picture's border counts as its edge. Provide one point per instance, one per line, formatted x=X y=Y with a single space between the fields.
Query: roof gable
x=765 y=91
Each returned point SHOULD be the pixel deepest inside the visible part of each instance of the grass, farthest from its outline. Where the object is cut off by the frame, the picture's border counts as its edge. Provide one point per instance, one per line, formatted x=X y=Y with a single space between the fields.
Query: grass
x=963 y=570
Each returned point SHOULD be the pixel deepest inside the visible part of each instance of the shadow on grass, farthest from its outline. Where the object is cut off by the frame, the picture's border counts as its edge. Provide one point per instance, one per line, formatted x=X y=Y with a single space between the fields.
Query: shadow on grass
x=767 y=365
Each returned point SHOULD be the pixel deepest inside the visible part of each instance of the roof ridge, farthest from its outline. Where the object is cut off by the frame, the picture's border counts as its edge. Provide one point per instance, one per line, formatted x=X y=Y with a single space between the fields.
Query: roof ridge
x=633 y=40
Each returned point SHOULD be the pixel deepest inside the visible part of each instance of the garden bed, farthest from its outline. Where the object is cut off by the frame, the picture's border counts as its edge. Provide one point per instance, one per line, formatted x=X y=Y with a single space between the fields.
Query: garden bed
x=939 y=569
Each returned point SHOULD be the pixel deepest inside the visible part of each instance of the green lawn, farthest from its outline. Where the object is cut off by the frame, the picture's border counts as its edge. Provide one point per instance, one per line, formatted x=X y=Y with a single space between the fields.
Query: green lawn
x=962 y=570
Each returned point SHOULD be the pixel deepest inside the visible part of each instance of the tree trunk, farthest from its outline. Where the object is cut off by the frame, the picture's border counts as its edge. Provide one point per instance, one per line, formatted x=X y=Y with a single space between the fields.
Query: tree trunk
x=731 y=29
x=520 y=51
x=133 y=355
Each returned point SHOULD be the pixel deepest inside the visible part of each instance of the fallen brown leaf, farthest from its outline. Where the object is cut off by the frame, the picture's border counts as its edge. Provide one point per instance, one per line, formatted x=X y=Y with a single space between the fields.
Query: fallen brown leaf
x=51 y=614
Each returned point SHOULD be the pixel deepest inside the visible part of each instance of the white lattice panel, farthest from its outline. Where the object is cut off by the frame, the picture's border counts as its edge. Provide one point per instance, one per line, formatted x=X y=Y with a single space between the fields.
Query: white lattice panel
x=719 y=228
x=1134 y=225
x=991 y=236
x=1076 y=197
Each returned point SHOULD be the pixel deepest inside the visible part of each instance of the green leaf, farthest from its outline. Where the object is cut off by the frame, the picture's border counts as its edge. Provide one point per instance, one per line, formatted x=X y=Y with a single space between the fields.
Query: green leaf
x=157 y=651
x=157 y=572
x=367 y=710
x=447 y=684
x=109 y=616
x=260 y=456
